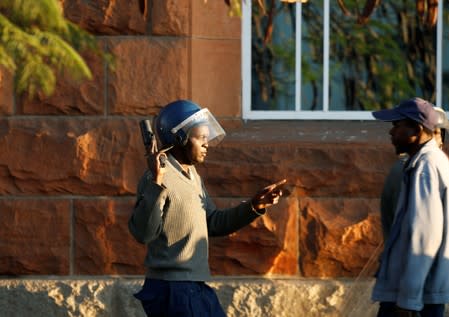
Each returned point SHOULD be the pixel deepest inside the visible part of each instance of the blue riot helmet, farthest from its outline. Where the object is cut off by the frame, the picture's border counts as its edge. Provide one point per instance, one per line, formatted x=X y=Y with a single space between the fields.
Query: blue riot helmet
x=175 y=120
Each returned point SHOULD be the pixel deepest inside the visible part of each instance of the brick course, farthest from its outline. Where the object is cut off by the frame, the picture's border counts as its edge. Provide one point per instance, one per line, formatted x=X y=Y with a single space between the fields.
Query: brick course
x=70 y=163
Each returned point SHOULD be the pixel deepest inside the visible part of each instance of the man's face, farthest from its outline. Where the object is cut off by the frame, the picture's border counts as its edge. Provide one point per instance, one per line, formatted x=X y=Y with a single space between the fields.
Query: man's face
x=197 y=145
x=403 y=134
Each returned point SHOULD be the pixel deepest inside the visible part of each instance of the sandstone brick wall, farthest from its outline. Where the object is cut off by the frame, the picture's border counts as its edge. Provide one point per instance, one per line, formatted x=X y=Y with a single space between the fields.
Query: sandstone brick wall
x=69 y=164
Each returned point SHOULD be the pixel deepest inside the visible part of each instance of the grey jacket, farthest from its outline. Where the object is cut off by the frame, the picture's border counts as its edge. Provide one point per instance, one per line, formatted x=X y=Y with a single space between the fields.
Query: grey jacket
x=414 y=268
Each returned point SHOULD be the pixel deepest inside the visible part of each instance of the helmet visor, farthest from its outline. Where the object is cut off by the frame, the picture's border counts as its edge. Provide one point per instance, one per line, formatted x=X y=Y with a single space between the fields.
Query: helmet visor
x=202 y=117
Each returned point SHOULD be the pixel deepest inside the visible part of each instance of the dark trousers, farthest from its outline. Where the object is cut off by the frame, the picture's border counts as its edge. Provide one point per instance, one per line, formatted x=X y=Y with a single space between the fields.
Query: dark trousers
x=179 y=299
x=388 y=309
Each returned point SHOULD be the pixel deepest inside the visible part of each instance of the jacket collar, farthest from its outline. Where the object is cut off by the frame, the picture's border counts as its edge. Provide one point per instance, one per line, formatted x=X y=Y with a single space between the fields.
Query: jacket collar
x=427 y=147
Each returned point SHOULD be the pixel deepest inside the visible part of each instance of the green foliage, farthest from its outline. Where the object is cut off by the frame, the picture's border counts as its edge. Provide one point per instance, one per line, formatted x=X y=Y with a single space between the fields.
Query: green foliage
x=235 y=8
x=37 y=44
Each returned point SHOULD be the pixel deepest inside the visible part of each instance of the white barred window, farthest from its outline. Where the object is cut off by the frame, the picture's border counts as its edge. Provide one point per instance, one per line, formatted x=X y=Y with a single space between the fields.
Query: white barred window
x=347 y=69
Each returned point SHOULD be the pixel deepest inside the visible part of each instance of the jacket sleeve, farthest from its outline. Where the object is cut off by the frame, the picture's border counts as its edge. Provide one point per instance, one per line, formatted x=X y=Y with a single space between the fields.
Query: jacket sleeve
x=145 y=223
x=424 y=227
x=221 y=222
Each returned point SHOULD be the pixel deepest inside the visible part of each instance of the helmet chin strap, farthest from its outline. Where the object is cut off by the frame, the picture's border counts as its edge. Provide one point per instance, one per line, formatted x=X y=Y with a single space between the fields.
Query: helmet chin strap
x=180 y=154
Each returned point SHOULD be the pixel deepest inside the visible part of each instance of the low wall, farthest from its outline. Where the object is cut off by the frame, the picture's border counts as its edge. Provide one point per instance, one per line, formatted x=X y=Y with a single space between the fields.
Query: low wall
x=241 y=297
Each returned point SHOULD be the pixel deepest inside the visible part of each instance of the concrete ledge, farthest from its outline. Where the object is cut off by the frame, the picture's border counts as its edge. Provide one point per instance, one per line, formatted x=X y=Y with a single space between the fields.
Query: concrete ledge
x=241 y=297
x=251 y=297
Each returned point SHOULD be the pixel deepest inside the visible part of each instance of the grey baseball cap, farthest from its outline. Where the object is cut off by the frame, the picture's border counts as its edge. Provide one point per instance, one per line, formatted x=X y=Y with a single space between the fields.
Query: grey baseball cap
x=415 y=109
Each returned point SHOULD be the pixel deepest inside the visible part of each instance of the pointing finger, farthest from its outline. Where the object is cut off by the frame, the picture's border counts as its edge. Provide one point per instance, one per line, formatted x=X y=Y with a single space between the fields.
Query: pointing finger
x=272 y=187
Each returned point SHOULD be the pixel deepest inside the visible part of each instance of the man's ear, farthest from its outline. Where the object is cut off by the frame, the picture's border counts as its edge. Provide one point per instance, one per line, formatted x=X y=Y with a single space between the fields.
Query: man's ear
x=419 y=129
x=415 y=130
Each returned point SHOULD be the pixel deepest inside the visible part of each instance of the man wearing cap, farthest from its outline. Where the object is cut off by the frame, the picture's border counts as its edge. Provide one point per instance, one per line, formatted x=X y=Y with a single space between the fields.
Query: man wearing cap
x=392 y=184
x=413 y=276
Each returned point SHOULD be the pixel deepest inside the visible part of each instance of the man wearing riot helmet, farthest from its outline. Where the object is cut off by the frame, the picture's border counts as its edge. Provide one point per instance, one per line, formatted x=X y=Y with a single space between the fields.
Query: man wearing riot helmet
x=174 y=215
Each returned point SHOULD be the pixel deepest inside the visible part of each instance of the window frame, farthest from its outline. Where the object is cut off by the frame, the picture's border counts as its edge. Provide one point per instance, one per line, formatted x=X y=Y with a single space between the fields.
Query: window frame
x=325 y=113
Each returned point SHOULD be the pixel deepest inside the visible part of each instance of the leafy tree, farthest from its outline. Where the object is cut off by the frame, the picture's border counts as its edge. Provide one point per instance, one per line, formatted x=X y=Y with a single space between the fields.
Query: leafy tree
x=37 y=43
